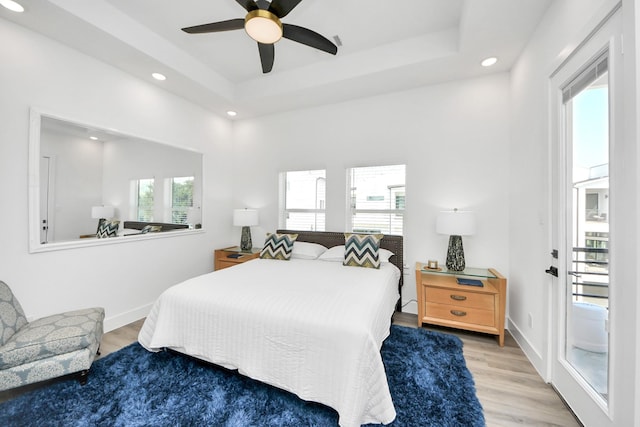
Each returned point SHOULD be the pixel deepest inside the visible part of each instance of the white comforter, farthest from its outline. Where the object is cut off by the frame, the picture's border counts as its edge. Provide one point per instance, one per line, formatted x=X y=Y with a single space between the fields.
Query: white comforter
x=314 y=328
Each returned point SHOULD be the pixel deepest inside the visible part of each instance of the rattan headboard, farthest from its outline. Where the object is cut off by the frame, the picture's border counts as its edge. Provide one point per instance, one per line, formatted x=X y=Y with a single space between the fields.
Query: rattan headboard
x=332 y=238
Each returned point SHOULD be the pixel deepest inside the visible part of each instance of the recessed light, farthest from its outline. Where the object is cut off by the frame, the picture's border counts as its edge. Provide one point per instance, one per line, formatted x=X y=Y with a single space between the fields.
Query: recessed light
x=488 y=62
x=159 y=76
x=93 y=138
x=12 y=5
x=231 y=113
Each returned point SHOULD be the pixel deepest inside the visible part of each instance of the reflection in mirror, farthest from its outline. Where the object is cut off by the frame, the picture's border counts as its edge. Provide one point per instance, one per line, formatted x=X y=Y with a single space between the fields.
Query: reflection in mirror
x=89 y=184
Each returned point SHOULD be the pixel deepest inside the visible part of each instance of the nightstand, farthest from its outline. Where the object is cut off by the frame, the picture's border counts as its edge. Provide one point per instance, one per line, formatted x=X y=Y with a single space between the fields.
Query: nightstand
x=228 y=257
x=442 y=301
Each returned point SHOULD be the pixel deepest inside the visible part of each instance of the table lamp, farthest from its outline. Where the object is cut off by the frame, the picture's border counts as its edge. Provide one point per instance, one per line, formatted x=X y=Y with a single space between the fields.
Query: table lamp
x=245 y=218
x=456 y=224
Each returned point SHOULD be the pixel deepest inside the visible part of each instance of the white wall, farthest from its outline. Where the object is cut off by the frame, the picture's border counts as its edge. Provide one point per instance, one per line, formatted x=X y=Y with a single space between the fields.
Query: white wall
x=124 y=278
x=453 y=138
x=564 y=26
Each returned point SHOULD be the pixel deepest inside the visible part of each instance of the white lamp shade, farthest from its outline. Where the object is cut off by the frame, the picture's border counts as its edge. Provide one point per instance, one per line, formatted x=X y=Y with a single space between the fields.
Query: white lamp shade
x=98 y=212
x=456 y=223
x=245 y=217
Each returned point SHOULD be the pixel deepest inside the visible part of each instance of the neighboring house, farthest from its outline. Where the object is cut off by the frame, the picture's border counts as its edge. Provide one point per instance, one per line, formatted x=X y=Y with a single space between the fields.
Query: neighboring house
x=481 y=142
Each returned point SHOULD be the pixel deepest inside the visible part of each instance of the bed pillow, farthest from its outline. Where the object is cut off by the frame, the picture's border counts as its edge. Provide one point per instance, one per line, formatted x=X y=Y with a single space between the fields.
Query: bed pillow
x=362 y=250
x=336 y=253
x=108 y=229
x=151 y=229
x=306 y=250
x=278 y=246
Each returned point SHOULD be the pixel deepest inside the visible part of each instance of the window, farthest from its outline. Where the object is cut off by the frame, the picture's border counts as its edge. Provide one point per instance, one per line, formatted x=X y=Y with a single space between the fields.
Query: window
x=303 y=200
x=377 y=196
x=181 y=198
x=144 y=200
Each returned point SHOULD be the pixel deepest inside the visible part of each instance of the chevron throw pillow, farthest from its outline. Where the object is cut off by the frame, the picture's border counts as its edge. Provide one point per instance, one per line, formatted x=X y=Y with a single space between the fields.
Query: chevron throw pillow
x=151 y=229
x=108 y=229
x=278 y=246
x=362 y=250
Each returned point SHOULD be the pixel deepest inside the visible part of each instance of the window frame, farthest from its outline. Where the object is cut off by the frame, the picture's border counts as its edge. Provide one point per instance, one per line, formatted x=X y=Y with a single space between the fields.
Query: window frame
x=172 y=208
x=393 y=191
x=283 y=211
x=151 y=207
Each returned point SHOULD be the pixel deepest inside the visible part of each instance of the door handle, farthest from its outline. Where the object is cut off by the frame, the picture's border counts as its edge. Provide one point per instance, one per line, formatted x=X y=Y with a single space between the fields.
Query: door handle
x=552 y=271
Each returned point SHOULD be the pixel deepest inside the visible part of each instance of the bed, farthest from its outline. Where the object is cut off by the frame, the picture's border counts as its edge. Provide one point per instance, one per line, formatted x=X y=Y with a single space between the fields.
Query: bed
x=312 y=327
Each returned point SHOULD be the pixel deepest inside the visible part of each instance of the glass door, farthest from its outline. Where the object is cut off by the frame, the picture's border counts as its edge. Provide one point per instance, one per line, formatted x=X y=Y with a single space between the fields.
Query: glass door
x=586 y=106
x=584 y=122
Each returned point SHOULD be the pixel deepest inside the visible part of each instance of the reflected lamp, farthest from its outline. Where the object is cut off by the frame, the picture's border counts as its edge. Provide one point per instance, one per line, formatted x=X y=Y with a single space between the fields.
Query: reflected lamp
x=245 y=218
x=456 y=224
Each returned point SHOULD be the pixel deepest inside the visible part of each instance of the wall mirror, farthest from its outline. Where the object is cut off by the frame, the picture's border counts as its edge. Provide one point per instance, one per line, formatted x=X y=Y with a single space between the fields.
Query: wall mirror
x=92 y=186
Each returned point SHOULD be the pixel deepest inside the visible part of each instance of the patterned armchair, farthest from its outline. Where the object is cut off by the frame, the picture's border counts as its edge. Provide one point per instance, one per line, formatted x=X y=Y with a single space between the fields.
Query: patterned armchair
x=50 y=347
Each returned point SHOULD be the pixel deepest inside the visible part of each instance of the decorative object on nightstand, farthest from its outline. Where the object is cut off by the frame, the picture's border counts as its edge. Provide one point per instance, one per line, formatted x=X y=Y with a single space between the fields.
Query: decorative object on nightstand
x=473 y=299
x=245 y=218
x=101 y=213
x=456 y=224
x=228 y=257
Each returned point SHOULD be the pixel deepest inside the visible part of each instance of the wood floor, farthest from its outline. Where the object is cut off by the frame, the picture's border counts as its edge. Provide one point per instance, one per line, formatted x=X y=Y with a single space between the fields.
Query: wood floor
x=510 y=390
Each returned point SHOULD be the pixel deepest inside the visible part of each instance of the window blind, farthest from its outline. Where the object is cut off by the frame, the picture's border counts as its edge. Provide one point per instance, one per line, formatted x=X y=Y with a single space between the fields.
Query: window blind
x=590 y=74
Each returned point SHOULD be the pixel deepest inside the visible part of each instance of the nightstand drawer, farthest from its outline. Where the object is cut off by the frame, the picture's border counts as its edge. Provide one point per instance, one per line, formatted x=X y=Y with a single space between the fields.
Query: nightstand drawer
x=459 y=298
x=455 y=313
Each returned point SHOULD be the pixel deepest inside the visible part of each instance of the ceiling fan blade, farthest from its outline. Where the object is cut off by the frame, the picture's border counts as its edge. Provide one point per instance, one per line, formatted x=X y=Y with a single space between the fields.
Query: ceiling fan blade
x=267 y=56
x=248 y=5
x=214 y=27
x=281 y=8
x=308 y=37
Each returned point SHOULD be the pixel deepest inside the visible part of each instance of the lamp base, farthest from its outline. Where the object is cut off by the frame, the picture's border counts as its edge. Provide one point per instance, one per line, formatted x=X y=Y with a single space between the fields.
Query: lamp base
x=455 y=254
x=245 y=239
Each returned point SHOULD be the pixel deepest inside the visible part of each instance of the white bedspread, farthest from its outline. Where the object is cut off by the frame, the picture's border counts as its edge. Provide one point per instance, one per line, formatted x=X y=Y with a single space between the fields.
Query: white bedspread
x=314 y=328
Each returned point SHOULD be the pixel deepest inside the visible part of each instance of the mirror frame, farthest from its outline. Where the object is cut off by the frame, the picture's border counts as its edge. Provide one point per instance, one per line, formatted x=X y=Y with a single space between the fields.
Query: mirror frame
x=35 y=246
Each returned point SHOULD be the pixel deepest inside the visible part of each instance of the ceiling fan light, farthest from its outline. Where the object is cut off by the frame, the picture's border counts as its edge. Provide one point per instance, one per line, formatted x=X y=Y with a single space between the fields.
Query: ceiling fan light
x=263 y=26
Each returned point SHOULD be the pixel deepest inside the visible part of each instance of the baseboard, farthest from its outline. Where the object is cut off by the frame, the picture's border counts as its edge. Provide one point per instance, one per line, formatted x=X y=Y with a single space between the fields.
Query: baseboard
x=119 y=320
x=530 y=351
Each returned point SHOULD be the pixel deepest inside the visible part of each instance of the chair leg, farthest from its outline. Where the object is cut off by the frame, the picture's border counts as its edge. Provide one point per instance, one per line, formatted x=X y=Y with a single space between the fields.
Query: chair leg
x=83 y=376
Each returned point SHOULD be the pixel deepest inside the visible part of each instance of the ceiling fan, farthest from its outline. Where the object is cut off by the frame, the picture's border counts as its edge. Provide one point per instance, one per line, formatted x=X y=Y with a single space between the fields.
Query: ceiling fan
x=262 y=23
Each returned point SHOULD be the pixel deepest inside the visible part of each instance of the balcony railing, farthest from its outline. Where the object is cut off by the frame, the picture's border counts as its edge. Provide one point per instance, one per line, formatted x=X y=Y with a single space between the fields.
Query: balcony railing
x=590 y=275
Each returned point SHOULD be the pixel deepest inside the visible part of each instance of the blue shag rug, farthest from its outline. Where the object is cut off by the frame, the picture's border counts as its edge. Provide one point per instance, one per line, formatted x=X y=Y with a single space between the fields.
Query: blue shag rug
x=428 y=378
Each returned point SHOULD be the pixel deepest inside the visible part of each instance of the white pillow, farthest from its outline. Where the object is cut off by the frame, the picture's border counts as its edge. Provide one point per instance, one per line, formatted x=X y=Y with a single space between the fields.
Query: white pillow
x=336 y=253
x=306 y=250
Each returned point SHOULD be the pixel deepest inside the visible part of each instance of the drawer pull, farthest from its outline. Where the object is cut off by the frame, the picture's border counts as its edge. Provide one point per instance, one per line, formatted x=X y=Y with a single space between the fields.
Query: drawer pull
x=458 y=297
x=458 y=313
